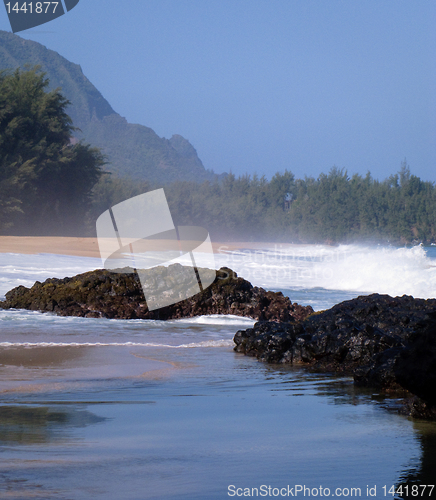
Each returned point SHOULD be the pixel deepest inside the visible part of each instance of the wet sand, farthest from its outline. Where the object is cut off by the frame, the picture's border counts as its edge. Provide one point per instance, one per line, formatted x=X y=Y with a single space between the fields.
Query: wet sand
x=37 y=369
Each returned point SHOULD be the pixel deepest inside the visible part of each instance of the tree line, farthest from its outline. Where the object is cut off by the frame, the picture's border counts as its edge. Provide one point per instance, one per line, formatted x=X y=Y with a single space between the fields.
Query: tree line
x=332 y=208
x=52 y=185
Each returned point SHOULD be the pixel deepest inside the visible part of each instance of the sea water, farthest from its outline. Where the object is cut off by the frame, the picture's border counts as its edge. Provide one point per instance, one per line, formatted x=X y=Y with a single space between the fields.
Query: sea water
x=131 y=409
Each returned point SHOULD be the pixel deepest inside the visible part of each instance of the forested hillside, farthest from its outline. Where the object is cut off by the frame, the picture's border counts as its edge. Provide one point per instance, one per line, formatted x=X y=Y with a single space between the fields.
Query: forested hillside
x=132 y=150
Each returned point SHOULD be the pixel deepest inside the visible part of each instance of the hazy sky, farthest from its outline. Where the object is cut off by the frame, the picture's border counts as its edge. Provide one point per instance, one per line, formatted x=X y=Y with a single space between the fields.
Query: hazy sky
x=261 y=86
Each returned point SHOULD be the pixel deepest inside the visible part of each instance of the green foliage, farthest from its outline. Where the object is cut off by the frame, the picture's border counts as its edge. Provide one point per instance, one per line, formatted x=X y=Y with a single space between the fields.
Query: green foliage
x=111 y=190
x=330 y=209
x=333 y=208
x=240 y=208
x=45 y=180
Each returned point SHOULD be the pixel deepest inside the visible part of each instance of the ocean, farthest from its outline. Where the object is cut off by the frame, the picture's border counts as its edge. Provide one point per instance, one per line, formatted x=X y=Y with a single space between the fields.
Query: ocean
x=131 y=409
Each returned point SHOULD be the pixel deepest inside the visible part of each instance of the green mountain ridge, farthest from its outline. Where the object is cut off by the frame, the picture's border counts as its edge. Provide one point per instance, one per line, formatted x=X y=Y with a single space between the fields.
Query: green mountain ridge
x=132 y=150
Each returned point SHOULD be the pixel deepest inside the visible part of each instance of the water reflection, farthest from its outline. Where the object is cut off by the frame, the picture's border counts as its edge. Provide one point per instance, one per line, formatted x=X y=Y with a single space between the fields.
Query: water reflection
x=22 y=424
x=221 y=419
x=341 y=390
x=424 y=472
x=39 y=357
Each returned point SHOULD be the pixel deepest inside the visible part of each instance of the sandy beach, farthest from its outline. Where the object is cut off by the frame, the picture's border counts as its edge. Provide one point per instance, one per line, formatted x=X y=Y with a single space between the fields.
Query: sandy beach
x=81 y=247
x=88 y=247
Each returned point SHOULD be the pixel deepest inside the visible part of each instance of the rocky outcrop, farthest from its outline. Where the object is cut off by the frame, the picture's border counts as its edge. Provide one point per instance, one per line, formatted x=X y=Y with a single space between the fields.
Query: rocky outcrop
x=384 y=342
x=118 y=295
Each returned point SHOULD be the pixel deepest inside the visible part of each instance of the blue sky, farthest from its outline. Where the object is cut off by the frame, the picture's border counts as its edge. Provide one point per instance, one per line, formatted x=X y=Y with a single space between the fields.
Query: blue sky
x=261 y=86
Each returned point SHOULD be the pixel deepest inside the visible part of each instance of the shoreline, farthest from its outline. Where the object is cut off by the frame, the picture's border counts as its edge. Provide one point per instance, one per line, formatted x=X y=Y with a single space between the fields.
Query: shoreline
x=88 y=246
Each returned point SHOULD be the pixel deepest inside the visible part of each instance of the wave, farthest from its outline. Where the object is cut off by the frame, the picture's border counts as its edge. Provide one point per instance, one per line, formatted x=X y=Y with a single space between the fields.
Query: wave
x=394 y=271
x=354 y=268
x=218 y=319
x=364 y=269
x=191 y=345
x=20 y=316
x=24 y=269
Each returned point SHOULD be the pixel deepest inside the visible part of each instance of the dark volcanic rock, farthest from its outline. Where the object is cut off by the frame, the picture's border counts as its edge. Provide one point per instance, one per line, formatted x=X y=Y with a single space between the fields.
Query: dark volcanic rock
x=415 y=368
x=107 y=294
x=384 y=342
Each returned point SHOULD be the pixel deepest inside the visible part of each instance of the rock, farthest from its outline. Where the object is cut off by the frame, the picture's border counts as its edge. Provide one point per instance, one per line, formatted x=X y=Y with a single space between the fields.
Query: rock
x=107 y=294
x=384 y=342
x=415 y=368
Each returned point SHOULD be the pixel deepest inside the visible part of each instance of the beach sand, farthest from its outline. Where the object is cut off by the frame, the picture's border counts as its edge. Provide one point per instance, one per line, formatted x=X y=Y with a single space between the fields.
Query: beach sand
x=88 y=247
x=81 y=247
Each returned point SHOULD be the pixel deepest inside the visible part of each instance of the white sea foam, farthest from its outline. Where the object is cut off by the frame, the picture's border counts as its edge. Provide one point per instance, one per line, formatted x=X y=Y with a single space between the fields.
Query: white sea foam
x=218 y=319
x=23 y=269
x=25 y=316
x=354 y=268
x=191 y=345
x=395 y=271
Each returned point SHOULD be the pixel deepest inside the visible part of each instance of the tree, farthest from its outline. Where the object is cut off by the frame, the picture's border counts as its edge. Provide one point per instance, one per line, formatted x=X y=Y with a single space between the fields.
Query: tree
x=45 y=177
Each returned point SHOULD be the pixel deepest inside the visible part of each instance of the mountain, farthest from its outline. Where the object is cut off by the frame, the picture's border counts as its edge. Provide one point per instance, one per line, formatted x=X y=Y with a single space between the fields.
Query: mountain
x=132 y=150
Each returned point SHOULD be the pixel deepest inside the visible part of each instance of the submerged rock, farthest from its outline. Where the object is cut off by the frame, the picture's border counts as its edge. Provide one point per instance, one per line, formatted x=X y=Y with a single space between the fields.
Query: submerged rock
x=119 y=295
x=384 y=342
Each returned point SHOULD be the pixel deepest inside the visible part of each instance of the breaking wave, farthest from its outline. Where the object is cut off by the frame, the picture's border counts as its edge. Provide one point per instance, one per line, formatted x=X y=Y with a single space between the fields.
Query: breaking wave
x=390 y=270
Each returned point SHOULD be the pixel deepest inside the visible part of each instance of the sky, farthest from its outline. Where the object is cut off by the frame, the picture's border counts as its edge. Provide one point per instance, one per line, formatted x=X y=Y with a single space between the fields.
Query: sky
x=264 y=86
